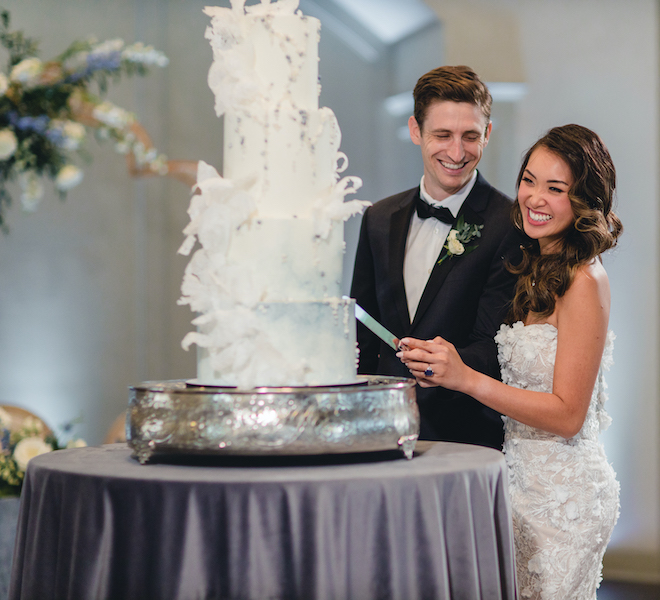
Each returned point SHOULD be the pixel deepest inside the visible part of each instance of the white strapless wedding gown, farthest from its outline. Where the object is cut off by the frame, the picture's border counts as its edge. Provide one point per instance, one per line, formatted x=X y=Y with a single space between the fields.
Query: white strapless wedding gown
x=564 y=493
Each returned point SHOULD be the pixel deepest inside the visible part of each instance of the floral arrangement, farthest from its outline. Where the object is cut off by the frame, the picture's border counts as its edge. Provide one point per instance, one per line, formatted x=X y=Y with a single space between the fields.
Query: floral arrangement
x=47 y=108
x=19 y=444
x=459 y=237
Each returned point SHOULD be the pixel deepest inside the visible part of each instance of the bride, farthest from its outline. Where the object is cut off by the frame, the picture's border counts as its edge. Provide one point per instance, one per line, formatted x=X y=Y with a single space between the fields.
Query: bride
x=564 y=494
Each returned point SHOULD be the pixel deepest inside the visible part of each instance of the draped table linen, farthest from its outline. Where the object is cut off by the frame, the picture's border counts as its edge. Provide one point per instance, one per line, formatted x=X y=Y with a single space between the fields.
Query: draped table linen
x=8 y=520
x=94 y=524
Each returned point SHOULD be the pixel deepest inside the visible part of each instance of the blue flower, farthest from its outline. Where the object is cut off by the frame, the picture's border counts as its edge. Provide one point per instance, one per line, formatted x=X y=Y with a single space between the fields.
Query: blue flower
x=37 y=124
x=109 y=62
x=74 y=77
x=4 y=439
x=55 y=136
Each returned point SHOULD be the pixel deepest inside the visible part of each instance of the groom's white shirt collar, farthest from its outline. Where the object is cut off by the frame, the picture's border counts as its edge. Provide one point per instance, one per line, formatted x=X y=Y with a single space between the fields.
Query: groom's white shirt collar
x=453 y=202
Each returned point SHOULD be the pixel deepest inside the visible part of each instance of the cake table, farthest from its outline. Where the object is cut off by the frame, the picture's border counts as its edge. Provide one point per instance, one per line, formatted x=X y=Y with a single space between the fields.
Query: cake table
x=94 y=523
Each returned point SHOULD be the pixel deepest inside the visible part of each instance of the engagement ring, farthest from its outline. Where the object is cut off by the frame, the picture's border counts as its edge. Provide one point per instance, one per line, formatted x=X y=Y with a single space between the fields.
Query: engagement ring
x=428 y=372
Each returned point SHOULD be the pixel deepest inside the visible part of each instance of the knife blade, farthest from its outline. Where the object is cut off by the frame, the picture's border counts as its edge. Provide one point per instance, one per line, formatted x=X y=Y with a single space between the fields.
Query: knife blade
x=368 y=321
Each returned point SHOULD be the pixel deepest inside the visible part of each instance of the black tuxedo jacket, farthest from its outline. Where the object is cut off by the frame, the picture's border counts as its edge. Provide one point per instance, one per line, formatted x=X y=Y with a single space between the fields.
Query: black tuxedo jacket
x=465 y=301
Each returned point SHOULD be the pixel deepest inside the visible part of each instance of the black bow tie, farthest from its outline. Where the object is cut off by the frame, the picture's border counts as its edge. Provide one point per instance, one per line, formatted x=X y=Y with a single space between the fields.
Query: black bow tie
x=425 y=210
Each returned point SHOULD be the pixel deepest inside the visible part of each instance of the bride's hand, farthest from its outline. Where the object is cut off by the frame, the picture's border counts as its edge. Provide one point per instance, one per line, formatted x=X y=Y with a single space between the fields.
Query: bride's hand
x=433 y=362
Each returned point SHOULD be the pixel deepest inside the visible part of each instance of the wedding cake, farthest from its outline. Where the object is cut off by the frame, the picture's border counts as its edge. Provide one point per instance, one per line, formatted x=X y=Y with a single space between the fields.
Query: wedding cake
x=265 y=276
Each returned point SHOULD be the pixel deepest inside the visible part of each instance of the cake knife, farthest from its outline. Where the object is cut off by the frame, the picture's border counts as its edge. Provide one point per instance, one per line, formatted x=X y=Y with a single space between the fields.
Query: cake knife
x=368 y=321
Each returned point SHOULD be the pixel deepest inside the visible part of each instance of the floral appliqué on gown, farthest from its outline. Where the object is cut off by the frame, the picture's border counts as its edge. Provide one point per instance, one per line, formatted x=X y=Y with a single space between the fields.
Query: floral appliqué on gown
x=564 y=493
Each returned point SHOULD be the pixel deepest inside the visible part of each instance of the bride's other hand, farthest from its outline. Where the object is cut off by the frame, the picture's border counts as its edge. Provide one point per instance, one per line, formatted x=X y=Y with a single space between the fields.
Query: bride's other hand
x=434 y=363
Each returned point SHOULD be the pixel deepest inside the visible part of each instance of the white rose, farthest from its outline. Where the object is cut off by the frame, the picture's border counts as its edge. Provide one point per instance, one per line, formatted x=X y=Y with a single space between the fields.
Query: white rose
x=72 y=133
x=453 y=245
x=77 y=443
x=146 y=55
x=28 y=448
x=112 y=116
x=75 y=132
x=27 y=71
x=122 y=148
x=108 y=47
x=8 y=143
x=4 y=84
x=32 y=190
x=68 y=177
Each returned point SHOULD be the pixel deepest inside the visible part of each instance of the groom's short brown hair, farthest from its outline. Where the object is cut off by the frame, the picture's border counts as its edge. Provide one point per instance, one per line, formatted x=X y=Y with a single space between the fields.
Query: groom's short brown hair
x=456 y=84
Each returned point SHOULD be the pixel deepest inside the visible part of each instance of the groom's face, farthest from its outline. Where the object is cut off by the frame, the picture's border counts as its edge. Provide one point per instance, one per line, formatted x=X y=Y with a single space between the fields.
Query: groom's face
x=452 y=140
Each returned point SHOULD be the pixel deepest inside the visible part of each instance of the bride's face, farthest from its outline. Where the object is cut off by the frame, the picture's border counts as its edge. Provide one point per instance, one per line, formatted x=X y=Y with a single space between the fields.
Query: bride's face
x=543 y=198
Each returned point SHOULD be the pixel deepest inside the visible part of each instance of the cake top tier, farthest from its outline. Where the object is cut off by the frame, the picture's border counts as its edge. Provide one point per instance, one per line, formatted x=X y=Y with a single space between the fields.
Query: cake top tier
x=265 y=57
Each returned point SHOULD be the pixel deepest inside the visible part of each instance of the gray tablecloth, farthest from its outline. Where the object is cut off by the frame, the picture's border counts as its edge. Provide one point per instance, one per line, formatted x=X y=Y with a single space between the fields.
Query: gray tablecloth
x=96 y=524
x=8 y=522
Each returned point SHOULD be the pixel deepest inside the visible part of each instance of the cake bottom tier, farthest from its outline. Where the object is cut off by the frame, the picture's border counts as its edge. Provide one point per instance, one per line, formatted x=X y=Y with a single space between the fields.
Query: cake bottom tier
x=280 y=344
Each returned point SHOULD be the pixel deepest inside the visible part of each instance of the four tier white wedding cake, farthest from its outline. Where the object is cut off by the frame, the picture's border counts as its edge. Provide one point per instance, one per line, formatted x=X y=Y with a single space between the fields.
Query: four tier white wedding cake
x=265 y=277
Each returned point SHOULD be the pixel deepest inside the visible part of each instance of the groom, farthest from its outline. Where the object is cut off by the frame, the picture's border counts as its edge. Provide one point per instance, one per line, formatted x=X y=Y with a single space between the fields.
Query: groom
x=431 y=260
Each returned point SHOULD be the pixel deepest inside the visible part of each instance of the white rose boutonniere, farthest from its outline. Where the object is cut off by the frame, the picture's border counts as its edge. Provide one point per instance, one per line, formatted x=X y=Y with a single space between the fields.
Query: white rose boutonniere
x=459 y=238
x=453 y=245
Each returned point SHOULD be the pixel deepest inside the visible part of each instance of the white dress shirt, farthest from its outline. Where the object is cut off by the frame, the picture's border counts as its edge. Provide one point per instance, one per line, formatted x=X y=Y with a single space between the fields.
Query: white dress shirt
x=425 y=240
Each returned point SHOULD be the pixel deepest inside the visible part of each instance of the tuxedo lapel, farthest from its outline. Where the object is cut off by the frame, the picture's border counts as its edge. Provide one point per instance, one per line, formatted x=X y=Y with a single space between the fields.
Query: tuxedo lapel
x=474 y=204
x=399 y=225
x=433 y=285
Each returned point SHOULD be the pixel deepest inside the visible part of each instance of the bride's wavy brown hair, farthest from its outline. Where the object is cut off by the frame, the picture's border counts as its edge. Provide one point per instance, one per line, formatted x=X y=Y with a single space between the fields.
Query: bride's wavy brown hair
x=543 y=278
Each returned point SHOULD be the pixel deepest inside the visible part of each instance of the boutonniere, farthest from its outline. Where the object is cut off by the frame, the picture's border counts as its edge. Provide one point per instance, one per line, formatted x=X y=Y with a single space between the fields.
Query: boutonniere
x=459 y=238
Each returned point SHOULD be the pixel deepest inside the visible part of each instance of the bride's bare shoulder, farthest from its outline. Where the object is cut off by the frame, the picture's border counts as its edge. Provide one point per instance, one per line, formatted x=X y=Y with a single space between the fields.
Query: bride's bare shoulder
x=590 y=286
x=593 y=274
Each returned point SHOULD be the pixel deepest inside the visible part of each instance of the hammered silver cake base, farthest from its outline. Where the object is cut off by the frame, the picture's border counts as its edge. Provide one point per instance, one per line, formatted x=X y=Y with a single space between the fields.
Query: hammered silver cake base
x=171 y=417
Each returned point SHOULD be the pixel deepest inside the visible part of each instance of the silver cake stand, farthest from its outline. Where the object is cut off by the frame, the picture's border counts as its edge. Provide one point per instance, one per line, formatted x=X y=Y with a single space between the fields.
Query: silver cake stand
x=173 y=417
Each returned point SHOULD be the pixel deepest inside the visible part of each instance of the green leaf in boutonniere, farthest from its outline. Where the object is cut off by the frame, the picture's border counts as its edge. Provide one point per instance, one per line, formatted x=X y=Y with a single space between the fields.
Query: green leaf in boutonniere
x=459 y=238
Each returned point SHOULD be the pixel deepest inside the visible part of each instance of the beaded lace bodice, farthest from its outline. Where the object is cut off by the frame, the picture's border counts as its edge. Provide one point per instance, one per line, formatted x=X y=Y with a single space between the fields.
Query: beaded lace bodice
x=564 y=494
x=527 y=359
